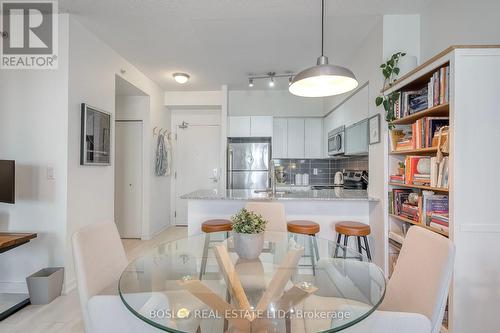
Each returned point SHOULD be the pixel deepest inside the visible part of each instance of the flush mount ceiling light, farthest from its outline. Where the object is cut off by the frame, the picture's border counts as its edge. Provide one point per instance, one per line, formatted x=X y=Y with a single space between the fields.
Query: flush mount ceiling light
x=323 y=79
x=181 y=77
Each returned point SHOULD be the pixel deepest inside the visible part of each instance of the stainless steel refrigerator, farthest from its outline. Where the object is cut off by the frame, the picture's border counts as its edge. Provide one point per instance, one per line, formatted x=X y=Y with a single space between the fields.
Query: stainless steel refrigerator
x=248 y=161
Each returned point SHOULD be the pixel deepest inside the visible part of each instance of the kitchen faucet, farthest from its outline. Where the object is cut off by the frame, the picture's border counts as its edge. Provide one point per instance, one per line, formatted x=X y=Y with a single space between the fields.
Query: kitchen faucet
x=272 y=177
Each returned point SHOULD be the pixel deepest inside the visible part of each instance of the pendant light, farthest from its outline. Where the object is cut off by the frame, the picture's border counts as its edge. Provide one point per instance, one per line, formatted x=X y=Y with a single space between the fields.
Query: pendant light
x=323 y=79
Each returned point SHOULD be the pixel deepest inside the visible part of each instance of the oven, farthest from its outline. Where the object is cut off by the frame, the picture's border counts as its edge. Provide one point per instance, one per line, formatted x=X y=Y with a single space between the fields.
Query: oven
x=336 y=141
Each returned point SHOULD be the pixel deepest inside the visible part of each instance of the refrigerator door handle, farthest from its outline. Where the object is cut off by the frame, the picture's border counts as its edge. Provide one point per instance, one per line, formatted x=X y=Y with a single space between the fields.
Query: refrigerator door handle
x=230 y=169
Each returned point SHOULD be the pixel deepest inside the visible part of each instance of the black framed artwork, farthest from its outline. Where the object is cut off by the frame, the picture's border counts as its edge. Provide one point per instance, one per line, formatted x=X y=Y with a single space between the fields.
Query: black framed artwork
x=95 y=142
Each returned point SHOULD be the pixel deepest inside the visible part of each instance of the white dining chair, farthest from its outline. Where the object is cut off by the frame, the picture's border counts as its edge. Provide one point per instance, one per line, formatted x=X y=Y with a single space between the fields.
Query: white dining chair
x=273 y=212
x=99 y=261
x=415 y=296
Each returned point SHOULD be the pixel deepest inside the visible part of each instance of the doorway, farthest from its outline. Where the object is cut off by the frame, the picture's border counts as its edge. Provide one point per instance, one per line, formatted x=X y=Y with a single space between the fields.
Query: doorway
x=128 y=178
x=197 y=151
x=131 y=117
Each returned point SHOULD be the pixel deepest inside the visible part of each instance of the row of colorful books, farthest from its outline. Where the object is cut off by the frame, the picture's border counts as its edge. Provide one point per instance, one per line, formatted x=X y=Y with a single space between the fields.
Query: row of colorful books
x=431 y=172
x=430 y=209
x=436 y=92
x=425 y=129
x=439 y=87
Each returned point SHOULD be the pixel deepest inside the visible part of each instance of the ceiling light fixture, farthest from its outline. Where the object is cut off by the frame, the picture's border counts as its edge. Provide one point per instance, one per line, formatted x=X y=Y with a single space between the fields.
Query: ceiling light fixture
x=290 y=80
x=250 y=83
x=323 y=79
x=181 y=77
x=271 y=78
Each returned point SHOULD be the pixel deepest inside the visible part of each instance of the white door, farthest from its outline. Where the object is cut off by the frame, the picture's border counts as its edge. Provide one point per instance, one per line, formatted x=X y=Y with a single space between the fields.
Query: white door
x=128 y=178
x=197 y=158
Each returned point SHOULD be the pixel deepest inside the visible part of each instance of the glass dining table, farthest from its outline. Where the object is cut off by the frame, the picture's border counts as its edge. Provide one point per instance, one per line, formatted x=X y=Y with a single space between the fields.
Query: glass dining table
x=295 y=285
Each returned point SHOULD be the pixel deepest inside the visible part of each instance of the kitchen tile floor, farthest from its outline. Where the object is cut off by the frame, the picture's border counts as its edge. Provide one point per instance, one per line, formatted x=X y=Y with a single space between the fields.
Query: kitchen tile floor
x=63 y=314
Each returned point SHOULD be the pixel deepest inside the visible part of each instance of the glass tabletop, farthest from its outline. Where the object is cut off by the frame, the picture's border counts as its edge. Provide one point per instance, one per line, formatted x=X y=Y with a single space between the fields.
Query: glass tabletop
x=295 y=285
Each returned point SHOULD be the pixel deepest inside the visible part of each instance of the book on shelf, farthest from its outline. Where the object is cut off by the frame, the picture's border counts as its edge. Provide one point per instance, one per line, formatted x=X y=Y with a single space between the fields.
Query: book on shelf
x=399 y=196
x=411 y=166
x=436 y=92
x=425 y=129
x=439 y=227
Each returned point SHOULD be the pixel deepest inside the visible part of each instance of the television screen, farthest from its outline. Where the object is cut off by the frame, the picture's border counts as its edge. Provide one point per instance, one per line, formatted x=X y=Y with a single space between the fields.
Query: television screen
x=7 y=181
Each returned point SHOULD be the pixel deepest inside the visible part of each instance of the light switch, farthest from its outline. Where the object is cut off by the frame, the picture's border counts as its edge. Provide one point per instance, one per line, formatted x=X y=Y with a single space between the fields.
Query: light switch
x=315 y=171
x=51 y=175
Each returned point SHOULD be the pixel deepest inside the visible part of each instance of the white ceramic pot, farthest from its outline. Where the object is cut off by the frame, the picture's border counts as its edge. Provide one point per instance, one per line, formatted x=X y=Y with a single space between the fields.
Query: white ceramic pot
x=248 y=246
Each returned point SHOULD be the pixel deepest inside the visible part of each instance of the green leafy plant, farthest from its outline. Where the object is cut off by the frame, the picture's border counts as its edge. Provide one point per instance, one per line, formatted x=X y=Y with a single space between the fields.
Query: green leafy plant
x=247 y=222
x=390 y=71
x=401 y=165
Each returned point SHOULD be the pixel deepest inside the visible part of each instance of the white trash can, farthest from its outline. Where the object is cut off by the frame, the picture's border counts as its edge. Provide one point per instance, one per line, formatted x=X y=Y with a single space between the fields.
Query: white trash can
x=45 y=285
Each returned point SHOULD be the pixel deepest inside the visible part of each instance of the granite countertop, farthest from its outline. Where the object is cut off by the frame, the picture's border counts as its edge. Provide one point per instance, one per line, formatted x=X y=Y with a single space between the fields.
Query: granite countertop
x=306 y=195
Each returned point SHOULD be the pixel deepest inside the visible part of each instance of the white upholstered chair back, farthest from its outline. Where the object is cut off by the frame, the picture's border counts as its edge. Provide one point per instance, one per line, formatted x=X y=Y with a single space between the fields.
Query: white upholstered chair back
x=422 y=276
x=273 y=212
x=99 y=261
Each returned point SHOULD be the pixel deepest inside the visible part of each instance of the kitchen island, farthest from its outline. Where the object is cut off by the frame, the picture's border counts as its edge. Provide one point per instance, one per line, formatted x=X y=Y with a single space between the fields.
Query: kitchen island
x=322 y=206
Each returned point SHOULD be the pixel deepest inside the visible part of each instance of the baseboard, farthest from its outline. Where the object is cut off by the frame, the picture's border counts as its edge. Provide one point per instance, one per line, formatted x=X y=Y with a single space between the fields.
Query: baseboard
x=69 y=286
x=18 y=287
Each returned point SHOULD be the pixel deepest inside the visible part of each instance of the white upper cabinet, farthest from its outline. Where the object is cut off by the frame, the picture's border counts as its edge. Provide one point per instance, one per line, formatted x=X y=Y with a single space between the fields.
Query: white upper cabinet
x=313 y=146
x=245 y=126
x=356 y=138
x=280 y=138
x=239 y=126
x=296 y=139
x=261 y=126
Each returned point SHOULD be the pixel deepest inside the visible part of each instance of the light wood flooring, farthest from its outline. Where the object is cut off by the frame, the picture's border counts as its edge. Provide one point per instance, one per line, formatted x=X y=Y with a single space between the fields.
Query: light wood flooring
x=63 y=314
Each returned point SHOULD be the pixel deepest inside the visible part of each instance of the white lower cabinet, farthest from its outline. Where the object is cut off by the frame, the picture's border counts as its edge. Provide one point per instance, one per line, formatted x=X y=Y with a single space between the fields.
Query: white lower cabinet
x=297 y=137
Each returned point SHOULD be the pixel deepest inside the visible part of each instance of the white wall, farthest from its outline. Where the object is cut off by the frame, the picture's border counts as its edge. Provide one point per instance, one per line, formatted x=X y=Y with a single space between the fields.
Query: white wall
x=401 y=34
x=272 y=103
x=450 y=22
x=93 y=67
x=193 y=98
x=33 y=131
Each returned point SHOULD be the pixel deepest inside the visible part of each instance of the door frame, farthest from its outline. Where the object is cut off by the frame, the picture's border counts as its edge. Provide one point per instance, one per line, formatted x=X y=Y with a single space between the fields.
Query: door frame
x=143 y=171
x=191 y=113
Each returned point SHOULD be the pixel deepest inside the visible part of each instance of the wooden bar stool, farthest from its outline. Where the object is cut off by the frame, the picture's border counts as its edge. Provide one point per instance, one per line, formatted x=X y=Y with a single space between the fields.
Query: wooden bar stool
x=309 y=229
x=356 y=229
x=209 y=227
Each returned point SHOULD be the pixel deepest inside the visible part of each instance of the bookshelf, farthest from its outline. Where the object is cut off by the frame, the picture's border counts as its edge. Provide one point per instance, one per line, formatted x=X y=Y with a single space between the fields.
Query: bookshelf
x=420 y=187
x=435 y=111
x=472 y=108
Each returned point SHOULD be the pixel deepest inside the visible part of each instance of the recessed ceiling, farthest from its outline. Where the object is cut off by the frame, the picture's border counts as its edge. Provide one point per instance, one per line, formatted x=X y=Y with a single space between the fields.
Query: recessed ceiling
x=223 y=41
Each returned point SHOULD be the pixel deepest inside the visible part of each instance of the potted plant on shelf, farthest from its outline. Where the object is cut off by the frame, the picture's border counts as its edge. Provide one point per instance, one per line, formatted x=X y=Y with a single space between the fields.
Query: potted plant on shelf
x=248 y=229
x=390 y=71
x=401 y=168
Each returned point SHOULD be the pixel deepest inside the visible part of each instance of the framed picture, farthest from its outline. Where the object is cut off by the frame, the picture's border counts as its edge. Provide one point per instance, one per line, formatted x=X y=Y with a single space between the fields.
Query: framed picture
x=374 y=129
x=95 y=145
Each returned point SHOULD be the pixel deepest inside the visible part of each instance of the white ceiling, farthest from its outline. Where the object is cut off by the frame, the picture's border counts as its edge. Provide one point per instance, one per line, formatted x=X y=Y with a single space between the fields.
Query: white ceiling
x=223 y=41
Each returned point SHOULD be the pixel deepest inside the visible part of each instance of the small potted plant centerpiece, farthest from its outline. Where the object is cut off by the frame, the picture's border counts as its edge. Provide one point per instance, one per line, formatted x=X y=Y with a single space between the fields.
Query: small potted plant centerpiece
x=248 y=229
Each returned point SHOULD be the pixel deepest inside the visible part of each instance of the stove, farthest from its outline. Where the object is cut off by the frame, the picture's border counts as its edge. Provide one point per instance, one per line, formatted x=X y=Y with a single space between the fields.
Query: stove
x=355 y=179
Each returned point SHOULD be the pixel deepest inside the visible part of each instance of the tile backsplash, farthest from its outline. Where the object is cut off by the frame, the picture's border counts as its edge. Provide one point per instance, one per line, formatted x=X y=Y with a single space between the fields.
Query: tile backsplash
x=325 y=169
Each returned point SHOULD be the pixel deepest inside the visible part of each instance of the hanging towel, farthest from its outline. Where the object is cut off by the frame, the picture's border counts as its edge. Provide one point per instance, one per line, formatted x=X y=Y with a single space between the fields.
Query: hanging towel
x=161 y=157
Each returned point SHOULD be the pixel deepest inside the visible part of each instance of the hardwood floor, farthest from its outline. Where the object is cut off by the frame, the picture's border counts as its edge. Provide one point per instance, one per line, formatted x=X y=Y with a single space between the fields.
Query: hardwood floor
x=63 y=314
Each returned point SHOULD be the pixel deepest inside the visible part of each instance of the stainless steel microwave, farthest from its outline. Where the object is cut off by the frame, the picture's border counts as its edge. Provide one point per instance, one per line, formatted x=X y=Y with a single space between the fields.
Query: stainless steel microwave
x=336 y=142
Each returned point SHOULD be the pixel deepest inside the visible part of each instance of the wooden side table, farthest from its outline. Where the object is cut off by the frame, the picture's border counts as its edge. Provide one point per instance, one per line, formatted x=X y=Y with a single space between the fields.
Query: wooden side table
x=11 y=303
